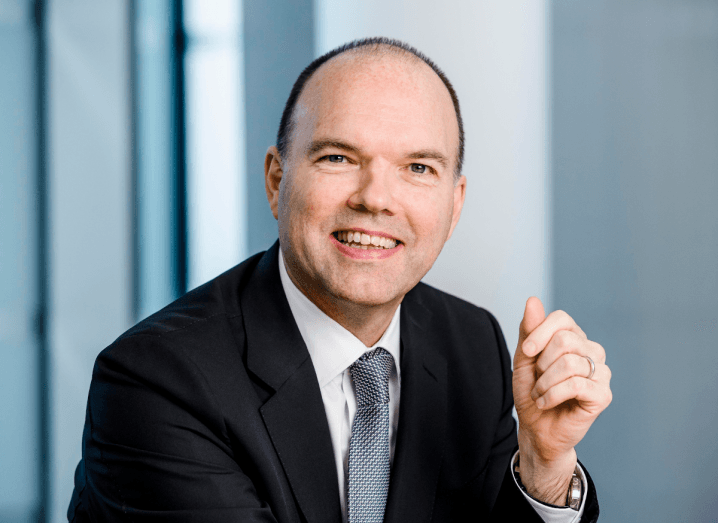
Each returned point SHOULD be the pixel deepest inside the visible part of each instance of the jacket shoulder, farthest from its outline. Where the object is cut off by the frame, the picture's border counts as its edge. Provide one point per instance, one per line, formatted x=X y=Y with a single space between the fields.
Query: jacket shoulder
x=217 y=297
x=452 y=311
x=193 y=340
x=469 y=337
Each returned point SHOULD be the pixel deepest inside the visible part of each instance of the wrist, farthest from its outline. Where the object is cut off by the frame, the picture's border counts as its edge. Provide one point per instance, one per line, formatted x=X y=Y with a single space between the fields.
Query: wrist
x=545 y=480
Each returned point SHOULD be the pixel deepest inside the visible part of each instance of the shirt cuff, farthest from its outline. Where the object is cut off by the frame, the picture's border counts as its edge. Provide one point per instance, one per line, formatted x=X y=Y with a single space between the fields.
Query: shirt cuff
x=554 y=514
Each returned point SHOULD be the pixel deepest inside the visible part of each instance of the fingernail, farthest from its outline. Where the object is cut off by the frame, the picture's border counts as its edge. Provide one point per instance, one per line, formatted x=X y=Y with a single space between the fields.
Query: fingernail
x=534 y=394
x=529 y=348
x=541 y=402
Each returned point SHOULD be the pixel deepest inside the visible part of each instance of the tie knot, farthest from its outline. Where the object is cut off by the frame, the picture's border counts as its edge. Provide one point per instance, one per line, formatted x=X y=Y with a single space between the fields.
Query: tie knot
x=370 y=375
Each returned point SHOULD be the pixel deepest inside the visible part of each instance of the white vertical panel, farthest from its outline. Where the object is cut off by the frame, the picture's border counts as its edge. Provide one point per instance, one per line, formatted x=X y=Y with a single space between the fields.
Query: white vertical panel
x=89 y=217
x=494 y=52
x=216 y=210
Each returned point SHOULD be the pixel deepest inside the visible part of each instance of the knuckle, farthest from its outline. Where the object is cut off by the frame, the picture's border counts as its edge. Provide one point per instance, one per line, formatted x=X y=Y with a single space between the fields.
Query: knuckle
x=600 y=351
x=576 y=385
x=579 y=364
x=542 y=365
x=581 y=333
x=568 y=365
x=563 y=339
x=540 y=387
x=550 y=396
x=609 y=397
x=563 y=315
x=562 y=366
x=556 y=317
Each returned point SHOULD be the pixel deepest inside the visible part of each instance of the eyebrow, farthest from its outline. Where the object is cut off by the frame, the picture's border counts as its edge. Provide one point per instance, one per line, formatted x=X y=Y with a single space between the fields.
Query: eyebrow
x=429 y=154
x=319 y=145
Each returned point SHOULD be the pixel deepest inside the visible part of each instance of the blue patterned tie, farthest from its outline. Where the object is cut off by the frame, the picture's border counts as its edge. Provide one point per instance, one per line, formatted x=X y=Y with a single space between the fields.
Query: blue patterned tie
x=368 y=483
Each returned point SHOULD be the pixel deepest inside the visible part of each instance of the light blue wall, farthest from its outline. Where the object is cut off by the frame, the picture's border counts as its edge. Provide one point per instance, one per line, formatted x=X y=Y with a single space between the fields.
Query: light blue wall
x=278 y=44
x=90 y=211
x=20 y=443
x=494 y=53
x=635 y=227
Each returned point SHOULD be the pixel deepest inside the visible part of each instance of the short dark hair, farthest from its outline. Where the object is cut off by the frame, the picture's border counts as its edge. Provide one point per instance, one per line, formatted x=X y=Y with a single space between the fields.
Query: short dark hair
x=286 y=125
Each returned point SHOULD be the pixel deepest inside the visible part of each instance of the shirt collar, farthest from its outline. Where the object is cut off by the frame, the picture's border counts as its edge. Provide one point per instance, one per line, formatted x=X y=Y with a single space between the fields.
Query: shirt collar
x=332 y=348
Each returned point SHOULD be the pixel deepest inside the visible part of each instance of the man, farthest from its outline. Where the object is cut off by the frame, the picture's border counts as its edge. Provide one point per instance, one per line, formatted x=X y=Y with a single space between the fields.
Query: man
x=321 y=381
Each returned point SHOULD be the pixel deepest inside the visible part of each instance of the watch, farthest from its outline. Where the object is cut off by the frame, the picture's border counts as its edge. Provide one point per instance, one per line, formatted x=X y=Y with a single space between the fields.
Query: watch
x=573 y=498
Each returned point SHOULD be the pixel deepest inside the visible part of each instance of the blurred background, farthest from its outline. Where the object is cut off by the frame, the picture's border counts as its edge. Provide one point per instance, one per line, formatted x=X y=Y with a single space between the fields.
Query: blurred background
x=132 y=137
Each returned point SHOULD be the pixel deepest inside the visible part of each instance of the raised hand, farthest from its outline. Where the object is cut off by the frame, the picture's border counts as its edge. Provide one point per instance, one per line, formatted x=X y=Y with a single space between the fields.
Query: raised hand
x=560 y=385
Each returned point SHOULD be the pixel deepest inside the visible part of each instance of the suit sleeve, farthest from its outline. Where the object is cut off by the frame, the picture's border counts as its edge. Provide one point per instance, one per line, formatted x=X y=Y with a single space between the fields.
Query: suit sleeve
x=510 y=501
x=155 y=448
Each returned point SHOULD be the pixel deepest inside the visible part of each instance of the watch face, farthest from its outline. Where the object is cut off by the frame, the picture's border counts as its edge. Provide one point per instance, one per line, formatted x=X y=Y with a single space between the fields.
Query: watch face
x=574 y=493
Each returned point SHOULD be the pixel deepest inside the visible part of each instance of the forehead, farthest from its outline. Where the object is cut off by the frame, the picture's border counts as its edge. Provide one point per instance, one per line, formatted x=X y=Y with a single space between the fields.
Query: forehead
x=387 y=91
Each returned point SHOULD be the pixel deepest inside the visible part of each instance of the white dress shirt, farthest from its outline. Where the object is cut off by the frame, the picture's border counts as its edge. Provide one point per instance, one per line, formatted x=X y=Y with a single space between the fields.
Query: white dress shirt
x=333 y=349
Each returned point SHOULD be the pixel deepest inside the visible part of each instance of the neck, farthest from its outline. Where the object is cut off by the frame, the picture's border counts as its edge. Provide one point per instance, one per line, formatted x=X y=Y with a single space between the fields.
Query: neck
x=367 y=322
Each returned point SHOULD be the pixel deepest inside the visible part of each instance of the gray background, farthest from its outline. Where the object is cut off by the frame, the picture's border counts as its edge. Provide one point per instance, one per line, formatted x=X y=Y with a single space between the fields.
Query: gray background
x=635 y=235
x=592 y=159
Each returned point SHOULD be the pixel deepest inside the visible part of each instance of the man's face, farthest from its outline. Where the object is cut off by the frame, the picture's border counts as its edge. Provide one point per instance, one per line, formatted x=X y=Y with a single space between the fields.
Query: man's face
x=372 y=153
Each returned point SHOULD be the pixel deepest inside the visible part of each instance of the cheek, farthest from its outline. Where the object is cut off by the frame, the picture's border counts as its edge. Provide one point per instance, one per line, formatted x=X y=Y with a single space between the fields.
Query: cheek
x=297 y=201
x=314 y=203
x=293 y=208
x=327 y=194
x=431 y=217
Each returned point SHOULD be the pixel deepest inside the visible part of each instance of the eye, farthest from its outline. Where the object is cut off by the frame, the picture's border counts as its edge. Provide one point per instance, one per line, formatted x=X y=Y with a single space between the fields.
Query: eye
x=335 y=158
x=419 y=168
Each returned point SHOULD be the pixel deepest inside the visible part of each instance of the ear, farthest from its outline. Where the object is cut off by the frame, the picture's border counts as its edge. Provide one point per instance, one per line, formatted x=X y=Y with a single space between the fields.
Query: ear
x=459 y=197
x=273 y=178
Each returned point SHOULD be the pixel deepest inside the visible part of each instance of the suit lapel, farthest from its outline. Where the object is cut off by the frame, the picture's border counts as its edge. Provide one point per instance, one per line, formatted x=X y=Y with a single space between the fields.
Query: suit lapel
x=422 y=418
x=294 y=415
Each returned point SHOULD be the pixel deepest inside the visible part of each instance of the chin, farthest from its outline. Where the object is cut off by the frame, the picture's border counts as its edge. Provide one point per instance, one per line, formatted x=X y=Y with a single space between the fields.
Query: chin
x=369 y=297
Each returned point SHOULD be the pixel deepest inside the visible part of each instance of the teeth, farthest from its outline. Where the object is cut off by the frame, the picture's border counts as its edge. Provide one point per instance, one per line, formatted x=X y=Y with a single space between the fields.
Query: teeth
x=360 y=240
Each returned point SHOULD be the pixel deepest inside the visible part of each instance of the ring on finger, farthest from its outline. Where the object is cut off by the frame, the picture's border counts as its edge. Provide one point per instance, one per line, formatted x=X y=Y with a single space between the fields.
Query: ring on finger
x=593 y=367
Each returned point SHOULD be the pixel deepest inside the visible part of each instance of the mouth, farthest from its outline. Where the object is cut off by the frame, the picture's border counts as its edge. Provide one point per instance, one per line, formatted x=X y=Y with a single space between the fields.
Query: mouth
x=361 y=239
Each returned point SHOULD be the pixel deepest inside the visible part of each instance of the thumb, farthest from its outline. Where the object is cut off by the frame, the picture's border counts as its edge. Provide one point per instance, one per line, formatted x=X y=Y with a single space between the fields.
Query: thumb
x=534 y=315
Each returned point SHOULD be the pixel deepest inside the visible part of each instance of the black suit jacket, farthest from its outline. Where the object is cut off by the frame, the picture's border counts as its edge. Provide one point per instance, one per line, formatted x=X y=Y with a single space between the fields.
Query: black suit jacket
x=210 y=410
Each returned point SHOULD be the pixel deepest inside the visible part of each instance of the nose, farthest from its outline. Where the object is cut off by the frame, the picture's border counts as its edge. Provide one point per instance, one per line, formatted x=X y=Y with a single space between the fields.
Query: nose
x=374 y=193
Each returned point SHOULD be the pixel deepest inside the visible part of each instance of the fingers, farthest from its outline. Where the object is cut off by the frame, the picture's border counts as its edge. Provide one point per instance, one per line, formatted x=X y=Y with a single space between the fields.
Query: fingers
x=568 y=342
x=560 y=367
x=542 y=334
x=566 y=367
x=593 y=396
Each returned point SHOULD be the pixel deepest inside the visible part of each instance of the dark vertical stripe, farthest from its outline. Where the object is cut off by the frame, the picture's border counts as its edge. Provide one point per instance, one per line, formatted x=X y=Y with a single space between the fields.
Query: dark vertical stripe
x=43 y=260
x=134 y=159
x=180 y=159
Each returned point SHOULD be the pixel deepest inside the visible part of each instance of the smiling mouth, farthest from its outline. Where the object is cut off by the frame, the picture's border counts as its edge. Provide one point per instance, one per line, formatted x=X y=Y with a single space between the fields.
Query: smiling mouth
x=360 y=240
